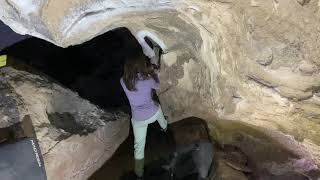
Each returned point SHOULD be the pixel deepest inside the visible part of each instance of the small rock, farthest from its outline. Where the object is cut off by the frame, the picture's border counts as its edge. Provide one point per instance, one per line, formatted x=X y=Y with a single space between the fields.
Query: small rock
x=306 y=68
x=266 y=57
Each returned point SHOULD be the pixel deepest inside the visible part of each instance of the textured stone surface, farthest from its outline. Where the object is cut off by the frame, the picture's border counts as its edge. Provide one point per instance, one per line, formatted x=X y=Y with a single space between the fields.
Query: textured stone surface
x=9 y=105
x=78 y=139
x=254 y=61
x=269 y=154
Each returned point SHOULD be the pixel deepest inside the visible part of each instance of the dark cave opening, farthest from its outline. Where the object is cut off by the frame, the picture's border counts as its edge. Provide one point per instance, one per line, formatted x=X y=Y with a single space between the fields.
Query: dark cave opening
x=92 y=69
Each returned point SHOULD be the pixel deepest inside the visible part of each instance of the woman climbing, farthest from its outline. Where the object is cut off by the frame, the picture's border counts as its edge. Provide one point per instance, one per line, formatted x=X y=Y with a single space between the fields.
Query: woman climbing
x=138 y=81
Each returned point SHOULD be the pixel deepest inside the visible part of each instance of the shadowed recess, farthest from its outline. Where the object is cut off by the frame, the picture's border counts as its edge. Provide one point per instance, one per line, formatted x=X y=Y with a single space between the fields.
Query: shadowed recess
x=92 y=69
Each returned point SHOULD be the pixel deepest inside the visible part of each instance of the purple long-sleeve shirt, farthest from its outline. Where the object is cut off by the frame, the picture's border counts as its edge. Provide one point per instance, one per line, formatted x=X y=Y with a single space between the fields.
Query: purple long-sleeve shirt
x=142 y=105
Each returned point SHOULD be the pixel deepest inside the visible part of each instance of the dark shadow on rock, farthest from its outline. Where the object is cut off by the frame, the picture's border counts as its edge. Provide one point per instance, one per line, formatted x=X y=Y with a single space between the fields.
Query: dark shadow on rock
x=68 y=123
x=154 y=171
x=17 y=131
x=9 y=102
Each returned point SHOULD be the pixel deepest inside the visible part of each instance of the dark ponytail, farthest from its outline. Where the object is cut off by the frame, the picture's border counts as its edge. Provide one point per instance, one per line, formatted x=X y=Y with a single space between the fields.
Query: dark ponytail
x=137 y=67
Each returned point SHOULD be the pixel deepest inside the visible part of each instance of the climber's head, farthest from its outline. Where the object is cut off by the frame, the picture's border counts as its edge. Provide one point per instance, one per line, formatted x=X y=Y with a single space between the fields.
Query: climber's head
x=137 y=66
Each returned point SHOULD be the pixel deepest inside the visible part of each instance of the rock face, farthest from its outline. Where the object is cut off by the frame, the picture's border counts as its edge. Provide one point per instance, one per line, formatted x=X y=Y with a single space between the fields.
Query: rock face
x=254 y=61
x=75 y=137
x=263 y=154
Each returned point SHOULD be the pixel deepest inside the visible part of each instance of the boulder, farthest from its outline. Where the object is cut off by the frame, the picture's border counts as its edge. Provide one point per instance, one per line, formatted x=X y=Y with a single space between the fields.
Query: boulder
x=75 y=136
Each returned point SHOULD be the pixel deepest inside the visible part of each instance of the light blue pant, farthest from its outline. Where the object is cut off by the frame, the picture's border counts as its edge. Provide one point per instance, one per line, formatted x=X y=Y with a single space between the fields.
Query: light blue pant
x=140 y=132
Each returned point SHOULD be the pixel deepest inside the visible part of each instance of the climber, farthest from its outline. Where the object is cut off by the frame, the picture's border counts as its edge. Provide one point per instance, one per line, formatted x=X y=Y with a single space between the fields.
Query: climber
x=139 y=80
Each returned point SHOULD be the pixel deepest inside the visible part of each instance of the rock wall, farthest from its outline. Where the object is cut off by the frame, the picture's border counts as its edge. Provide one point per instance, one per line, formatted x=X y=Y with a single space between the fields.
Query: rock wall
x=255 y=61
x=75 y=137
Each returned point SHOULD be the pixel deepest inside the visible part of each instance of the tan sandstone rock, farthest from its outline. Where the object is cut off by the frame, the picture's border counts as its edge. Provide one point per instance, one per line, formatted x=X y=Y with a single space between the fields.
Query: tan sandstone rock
x=75 y=137
x=216 y=45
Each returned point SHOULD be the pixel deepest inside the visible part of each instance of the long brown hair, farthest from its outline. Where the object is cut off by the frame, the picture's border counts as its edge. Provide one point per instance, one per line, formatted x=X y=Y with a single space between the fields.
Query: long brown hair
x=137 y=67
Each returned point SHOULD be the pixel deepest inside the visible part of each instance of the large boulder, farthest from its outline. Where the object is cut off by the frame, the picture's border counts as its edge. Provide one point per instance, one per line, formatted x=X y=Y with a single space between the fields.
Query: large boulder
x=75 y=136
